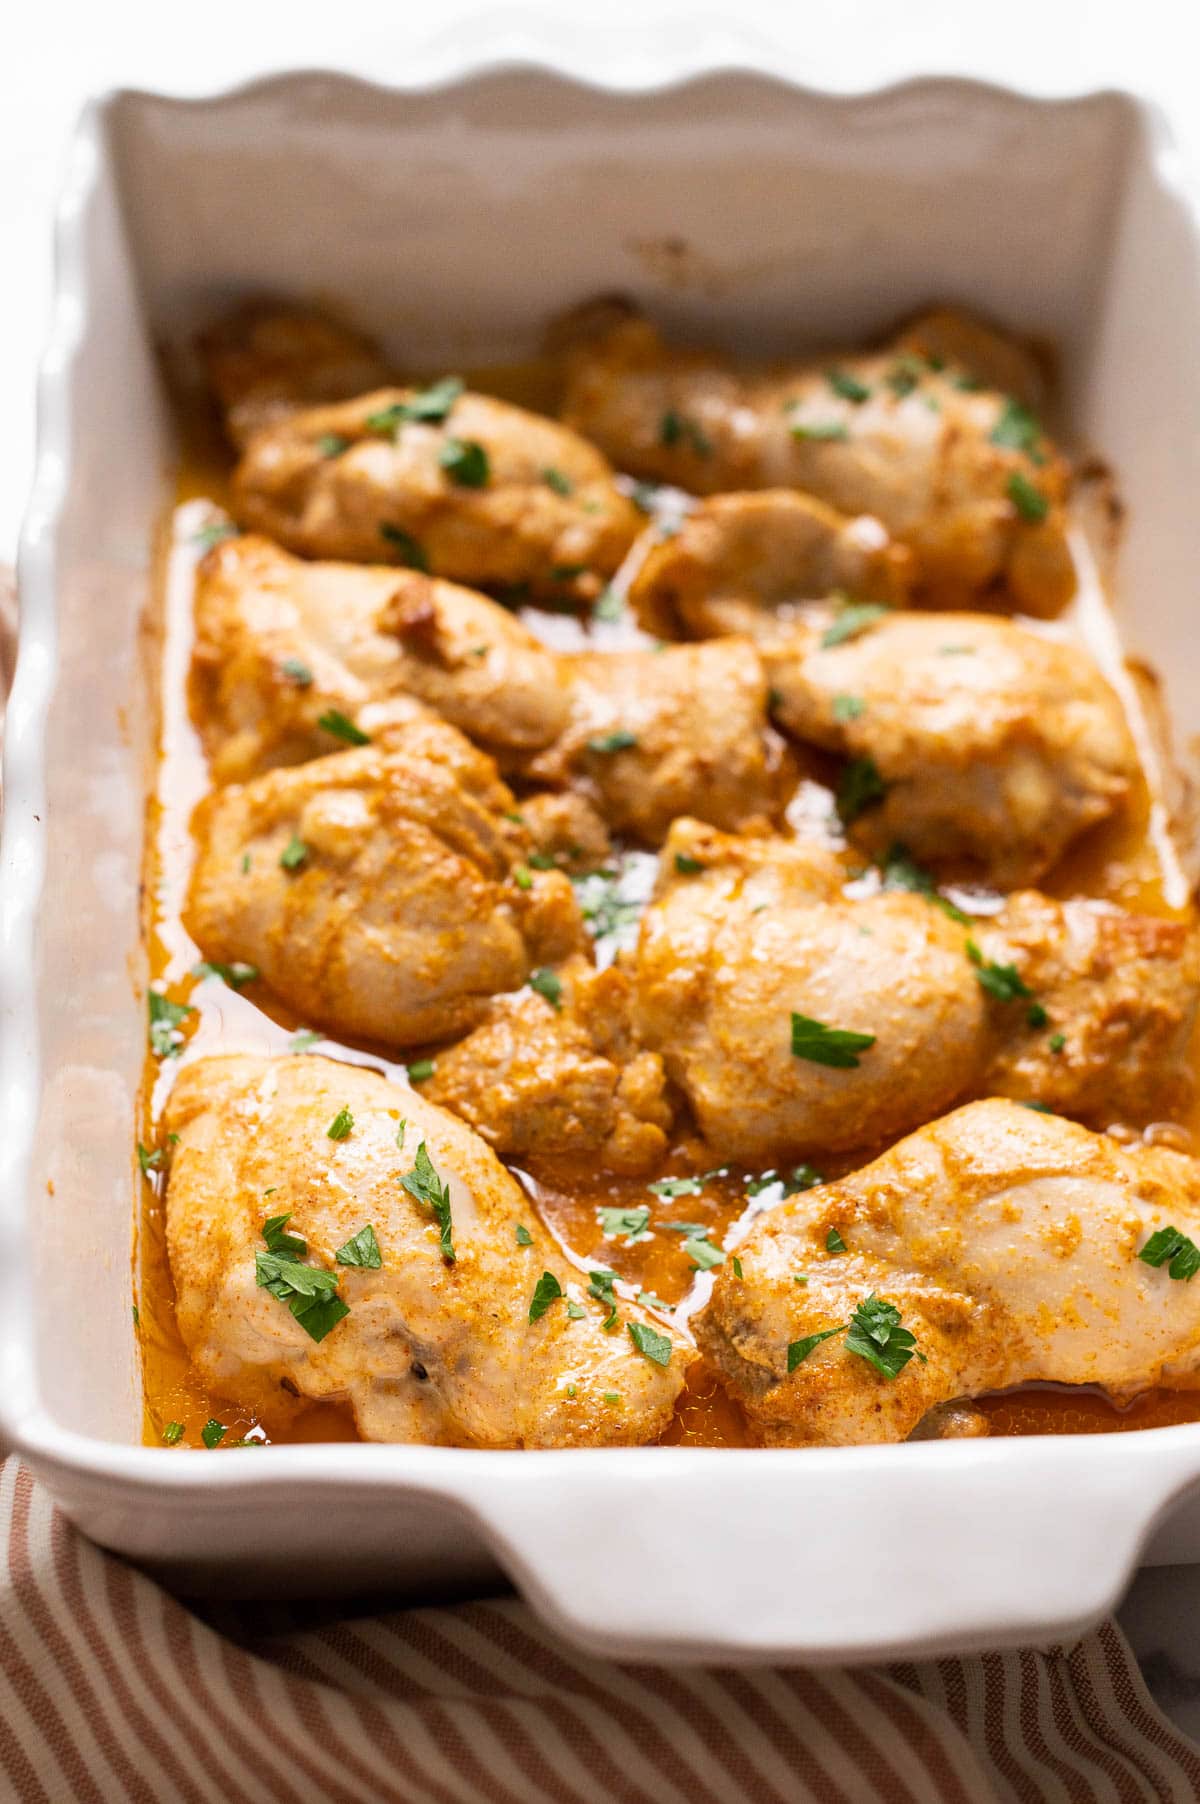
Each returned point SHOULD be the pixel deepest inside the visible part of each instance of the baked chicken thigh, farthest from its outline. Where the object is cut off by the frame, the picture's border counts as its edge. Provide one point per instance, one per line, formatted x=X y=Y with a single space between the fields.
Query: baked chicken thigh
x=442 y=1326
x=267 y=361
x=992 y=1248
x=912 y=434
x=382 y=891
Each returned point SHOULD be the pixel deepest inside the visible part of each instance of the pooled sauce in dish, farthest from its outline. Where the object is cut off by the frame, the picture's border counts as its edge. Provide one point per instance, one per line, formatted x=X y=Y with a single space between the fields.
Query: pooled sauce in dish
x=1131 y=861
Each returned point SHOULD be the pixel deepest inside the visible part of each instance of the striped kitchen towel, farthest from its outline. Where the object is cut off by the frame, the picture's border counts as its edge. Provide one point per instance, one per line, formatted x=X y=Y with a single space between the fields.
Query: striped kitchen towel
x=110 y=1689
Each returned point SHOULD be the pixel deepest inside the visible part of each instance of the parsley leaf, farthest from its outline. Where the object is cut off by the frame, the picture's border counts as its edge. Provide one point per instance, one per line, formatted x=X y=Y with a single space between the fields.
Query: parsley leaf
x=213 y=1432
x=166 y=1018
x=172 y=1433
x=420 y=1069
x=685 y=1186
x=411 y=553
x=547 y=1290
x=650 y=1343
x=600 y=1286
x=309 y=1292
x=1169 y=1244
x=860 y=787
x=848 y=707
x=902 y=872
x=465 y=462
x=431 y=405
x=1057 y=1042
x=674 y=429
x=362 y=1249
x=280 y=1242
x=622 y=740
x=554 y=479
x=296 y=672
x=547 y=983
x=876 y=1335
x=801 y=1177
x=335 y=722
x=819 y=429
x=332 y=444
x=703 y=1254
x=799 y=1350
x=235 y=975
x=834 y=1242
x=835 y=1046
x=687 y=867
x=293 y=854
x=423 y=1183
x=524 y=1237
x=903 y=377
x=1004 y=982
x=1029 y=501
x=634 y=1224
x=853 y=618
x=1017 y=429
x=575 y=1311
x=1036 y=1015
x=150 y=1161
x=847 y=386
x=208 y=536
x=609 y=607
x=303 y=1039
x=341 y=1125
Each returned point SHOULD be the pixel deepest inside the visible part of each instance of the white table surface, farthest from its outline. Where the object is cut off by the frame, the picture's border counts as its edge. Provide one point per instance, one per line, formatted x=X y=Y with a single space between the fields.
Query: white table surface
x=58 y=52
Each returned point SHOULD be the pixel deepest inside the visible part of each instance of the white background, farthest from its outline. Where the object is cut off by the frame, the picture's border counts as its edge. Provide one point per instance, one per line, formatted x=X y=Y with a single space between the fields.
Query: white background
x=61 y=52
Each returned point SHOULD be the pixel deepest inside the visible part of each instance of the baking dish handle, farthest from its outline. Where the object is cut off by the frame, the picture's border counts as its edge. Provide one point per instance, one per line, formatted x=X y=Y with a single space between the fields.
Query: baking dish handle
x=832 y=1555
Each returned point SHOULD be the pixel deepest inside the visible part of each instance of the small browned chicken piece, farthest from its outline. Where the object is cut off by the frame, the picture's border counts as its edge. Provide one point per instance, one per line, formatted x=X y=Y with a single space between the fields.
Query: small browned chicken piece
x=267 y=361
x=554 y=1074
x=280 y=642
x=976 y=742
x=799 y=1021
x=566 y=829
x=380 y=892
x=656 y=734
x=1120 y=994
x=743 y=563
x=438 y=1345
x=462 y=486
x=958 y=471
x=992 y=1248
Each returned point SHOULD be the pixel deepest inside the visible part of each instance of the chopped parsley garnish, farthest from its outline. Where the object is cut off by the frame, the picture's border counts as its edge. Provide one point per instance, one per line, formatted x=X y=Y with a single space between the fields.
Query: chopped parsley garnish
x=675 y=429
x=524 y=1237
x=687 y=867
x=799 y=1350
x=822 y=1045
x=430 y=405
x=208 y=536
x=848 y=707
x=543 y=861
x=1029 y=501
x=821 y=430
x=401 y=1130
x=341 y=1125
x=1017 y=430
x=332 y=444
x=605 y=909
x=899 y=871
x=1169 y=1244
x=1004 y=982
x=847 y=386
x=650 y=1343
x=293 y=854
x=698 y=1228
x=547 y=983
x=236 y=975
x=686 y=1186
x=521 y=877
x=304 y=1039
x=834 y=1242
x=1042 y=1108
x=633 y=1224
x=737 y=1267
x=296 y=672
x=609 y=607
x=420 y=1069
x=547 y=1290
x=648 y=1300
x=877 y=1335
x=1057 y=1042
x=150 y=1161
x=166 y=1018
x=554 y=479
x=279 y=1241
x=1036 y=1015
x=853 y=618
x=335 y=722
x=600 y=1286
x=362 y=1249
x=575 y=1311
x=903 y=377
x=612 y=1396
x=801 y=1177
x=172 y=1433
x=622 y=740
x=309 y=1292
x=213 y=1432
x=411 y=553
x=465 y=462
x=860 y=787
x=246 y=863
x=703 y=1254
x=423 y=1183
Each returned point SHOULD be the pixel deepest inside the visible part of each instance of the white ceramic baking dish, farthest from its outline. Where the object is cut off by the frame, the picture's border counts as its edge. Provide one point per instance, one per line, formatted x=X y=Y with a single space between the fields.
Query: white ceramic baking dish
x=453 y=222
